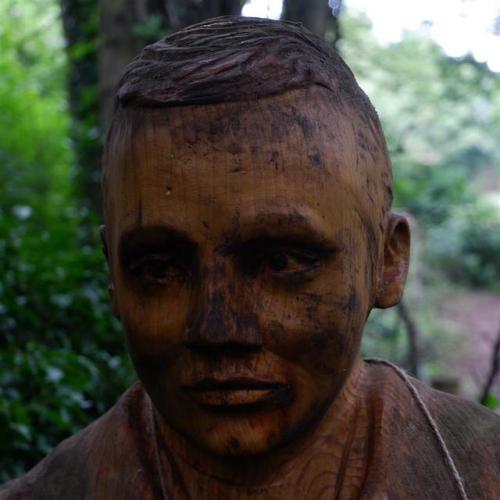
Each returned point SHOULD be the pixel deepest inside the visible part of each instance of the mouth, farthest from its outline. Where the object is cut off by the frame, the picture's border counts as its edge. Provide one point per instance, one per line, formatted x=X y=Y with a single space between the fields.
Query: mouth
x=237 y=395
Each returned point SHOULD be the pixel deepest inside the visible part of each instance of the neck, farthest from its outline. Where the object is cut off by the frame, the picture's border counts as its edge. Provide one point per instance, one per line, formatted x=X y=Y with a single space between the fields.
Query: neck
x=325 y=448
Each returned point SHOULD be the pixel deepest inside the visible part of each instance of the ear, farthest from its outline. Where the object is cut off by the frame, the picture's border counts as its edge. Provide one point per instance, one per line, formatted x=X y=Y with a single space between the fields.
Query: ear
x=396 y=262
x=111 y=286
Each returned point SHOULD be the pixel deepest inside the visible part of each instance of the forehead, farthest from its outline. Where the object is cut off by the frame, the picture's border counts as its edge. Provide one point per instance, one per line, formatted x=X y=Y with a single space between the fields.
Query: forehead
x=296 y=149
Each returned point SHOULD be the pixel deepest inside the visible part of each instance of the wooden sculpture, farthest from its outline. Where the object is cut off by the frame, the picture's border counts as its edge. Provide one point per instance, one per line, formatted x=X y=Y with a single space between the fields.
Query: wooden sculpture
x=247 y=192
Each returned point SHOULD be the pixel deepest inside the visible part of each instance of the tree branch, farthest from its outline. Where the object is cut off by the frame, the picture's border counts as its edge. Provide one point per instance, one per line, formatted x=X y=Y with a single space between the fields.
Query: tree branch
x=494 y=369
x=413 y=339
x=173 y=16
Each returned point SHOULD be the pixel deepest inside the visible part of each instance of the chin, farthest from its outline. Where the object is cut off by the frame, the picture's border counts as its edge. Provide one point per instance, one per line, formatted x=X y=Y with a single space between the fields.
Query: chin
x=253 y=433
x=240 y=441
x=236 y=446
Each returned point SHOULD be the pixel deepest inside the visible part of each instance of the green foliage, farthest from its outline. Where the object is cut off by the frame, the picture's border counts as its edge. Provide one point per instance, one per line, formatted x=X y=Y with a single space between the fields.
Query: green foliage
x=34 y=148
x=151 y=29
x=492 y=402
x=80 y=20
x=432 y=194
x=62 y=355
x=58 y=341
x=442 y=132
x=58 y=338
x=386 y=337
x=47 y=394
x=466 y=247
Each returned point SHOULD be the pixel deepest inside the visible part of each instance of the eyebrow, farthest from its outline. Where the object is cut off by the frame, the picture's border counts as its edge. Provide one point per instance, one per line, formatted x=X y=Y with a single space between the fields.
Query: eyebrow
x=288 y=224
x=273 y=224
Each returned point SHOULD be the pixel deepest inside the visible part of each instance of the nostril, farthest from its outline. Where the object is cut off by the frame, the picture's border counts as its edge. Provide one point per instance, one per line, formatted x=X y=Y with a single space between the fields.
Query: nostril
x=222 y=327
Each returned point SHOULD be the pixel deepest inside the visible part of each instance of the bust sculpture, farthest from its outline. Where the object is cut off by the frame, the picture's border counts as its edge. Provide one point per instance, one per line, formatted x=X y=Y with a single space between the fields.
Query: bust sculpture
x=247 y=195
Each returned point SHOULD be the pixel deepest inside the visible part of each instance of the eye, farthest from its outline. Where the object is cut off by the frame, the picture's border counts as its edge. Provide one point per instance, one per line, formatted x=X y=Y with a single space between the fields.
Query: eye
x=158 y=269
x=289 y=263
x=278 y=262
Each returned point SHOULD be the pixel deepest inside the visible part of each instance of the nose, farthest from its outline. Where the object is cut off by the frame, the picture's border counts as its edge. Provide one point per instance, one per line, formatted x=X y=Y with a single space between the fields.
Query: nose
x=220 y=321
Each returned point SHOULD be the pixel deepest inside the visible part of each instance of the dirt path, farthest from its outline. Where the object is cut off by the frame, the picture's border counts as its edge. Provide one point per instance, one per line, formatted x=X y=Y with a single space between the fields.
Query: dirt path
x=477 y=317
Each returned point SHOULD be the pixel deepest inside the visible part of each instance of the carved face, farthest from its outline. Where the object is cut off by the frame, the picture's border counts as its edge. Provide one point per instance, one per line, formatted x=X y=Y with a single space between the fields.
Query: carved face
x=245 y=261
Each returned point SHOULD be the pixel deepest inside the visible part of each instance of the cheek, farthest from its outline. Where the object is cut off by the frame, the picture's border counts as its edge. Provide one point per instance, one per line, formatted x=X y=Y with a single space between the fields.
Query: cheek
x=154 y=320
x=313 y=330
x=317 y=328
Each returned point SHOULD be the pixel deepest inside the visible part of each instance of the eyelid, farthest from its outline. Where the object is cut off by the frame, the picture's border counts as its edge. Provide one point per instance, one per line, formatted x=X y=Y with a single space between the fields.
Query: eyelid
x=136 y=263
x=141 y=271
x=309 y=260
x=252 y=254
x=146 y=241
x=301 y=274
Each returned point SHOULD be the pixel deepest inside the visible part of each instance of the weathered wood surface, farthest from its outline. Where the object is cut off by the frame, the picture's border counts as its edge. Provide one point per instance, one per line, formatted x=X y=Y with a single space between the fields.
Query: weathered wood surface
x=246 y=253
x=249 y=233
x=388 y=452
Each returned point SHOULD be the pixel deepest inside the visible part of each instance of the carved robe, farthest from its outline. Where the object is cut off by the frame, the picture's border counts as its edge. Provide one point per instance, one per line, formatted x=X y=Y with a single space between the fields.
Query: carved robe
x=381 y=446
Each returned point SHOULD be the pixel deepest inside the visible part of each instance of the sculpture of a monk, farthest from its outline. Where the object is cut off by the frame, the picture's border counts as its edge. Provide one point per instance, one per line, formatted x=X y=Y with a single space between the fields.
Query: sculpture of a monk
x=247 y=195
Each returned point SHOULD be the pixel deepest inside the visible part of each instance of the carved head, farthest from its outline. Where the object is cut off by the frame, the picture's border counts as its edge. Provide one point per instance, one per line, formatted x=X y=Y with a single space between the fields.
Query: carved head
x=247 y=191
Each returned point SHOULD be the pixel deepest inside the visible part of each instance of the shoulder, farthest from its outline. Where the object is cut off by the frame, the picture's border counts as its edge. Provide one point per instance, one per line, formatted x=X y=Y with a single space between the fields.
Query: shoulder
x=453 y=414
x=469 y=431
x=72 y=468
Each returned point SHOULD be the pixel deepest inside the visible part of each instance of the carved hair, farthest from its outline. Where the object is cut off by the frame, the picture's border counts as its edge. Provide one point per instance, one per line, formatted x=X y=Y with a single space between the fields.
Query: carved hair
x=234 y=59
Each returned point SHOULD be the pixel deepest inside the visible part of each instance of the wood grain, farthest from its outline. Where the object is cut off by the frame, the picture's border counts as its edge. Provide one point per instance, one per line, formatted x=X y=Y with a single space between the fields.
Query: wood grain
x=388 y=453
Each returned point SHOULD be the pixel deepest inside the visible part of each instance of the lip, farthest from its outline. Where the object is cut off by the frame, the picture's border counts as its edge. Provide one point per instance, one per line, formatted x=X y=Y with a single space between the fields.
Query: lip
x=238 y=394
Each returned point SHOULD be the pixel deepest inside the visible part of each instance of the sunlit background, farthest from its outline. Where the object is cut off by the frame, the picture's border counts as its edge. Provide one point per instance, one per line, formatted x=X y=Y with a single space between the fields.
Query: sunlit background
x=460 y=27
x=432 y=70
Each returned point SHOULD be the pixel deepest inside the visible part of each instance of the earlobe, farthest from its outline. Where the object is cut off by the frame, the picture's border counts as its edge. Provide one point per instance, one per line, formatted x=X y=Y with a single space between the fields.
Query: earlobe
x=396 y=262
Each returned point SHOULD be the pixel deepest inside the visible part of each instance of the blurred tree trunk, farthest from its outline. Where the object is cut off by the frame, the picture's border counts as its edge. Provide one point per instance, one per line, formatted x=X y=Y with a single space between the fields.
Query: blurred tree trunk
x=313 y=14
x=194 y=11
x=126 y=26
x=414 y=336
x=119 y=42
x=492 y=373
x=102 y=37
x=80 y=28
